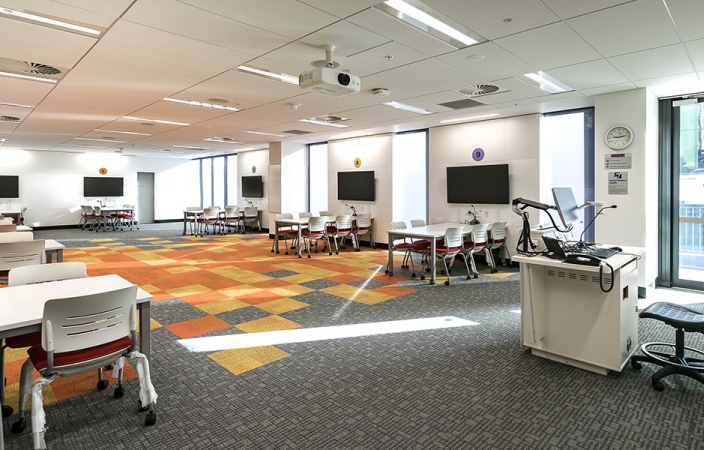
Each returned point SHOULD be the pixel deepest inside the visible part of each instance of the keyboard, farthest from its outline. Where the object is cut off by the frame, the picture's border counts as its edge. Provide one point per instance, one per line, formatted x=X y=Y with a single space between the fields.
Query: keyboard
x=603 y=253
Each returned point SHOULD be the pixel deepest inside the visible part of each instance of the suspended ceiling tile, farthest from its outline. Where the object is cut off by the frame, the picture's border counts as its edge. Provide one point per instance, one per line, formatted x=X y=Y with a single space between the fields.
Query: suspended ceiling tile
x=196 y=23
x=431 y=102
x=401 y=87
x=381 y=23
x=241 y=88
x=487 y=17
x=687 y=15
x=607 y=89
x=525 y=104
x=388 y=113
x=13 y=111
x=73 y=105
x=361 y=116
x=626 y=28
x=497 y=62
x=99 y=13
x=437 y=73
x=522 y=87
x=550 y=46
x=389 y=56
x=178 y=112
x=285 y=17
x=696 y=51
x=501 y=97
x=347 y=38
x=23 y=92
x=557 y=97
x=566 y=9
x=42 y=55
x=672 y=60
x=660 y=82
x=588 y=75
x=300 y=56
x=341 y=8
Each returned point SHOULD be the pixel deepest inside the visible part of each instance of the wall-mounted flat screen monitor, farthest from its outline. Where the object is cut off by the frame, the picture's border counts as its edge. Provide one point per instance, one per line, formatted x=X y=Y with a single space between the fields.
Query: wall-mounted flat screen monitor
x=9 y=186
x=252 y=187
x=566 y=206
x=356 y=186
x=478 y=184
x=103 y=187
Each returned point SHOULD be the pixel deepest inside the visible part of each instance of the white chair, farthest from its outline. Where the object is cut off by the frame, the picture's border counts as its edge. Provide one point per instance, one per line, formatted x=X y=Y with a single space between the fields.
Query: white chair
x=326 y=214
x=82 y=220
x=251 y=216
x=452 y=246
x=340 y=230
x=19 y=254
x=230 y=217
x=497 y=240
x=19 y=220
x=436 y=220
x=408 y=248
x=191 y=218
x=286 y=233
x=475 y=242
x=211 y=216
x=101 y=218
x=81 y=334
x=363 y=226
x=304 y=215
x=315 y=232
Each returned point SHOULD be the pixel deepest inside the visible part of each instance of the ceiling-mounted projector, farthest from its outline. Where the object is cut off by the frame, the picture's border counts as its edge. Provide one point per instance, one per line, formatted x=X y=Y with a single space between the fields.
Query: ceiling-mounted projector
x=326 y=79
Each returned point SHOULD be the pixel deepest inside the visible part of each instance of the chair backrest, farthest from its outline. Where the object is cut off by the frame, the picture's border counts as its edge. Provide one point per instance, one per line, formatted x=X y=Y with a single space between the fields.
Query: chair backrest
x=43 y=273
x=453 y=237
x=7 y=227
x=211 y=212
x=285 y=216
x=97 y=211
x=325 y=213
x=417 y=223
x=498 y=231
x=398 y=225
x=316 y=224
x=89 y=210
x=76 y=323
x=232 y=211
x=435 y=220
x=16 y=237
x=192 y=208
x=251 y=211
x=303 y=215
x=364 y=220
x=478 y=234
x=343 y=222
x=18 y=254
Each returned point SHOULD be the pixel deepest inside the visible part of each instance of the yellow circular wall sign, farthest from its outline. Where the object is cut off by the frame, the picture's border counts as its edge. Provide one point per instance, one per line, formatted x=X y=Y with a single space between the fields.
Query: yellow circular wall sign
x=357 y=163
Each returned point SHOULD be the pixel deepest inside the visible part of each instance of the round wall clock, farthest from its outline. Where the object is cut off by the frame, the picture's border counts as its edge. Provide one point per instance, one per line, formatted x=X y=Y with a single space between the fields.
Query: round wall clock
x=357 y=163
x=619 y=137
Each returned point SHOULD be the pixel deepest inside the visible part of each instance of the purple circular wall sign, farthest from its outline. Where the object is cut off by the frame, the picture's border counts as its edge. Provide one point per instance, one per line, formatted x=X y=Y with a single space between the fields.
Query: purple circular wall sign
x=478 y=154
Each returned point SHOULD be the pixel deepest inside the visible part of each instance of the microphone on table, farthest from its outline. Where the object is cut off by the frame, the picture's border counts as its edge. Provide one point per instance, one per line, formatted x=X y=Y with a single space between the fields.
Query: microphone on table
x=592 y=221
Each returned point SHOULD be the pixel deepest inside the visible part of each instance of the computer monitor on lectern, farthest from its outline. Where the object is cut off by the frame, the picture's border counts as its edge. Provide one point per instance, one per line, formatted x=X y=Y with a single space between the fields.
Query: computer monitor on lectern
x=566 y=206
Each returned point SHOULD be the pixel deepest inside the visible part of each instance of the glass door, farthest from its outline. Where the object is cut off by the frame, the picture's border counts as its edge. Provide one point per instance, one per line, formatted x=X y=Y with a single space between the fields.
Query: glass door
x=687 y=240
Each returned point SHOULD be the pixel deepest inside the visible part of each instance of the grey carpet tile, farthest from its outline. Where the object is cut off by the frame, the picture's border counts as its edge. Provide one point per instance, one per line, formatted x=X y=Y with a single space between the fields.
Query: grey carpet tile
x=171 y=311
x=243 y=315
x=280 y=274
x=319 y=284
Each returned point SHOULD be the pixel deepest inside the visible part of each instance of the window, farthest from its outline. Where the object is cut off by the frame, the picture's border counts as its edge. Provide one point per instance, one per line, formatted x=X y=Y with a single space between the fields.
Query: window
x=318 y=177
x=218 y=181
x=206 y=182
x=232 y=185
x=410 y=176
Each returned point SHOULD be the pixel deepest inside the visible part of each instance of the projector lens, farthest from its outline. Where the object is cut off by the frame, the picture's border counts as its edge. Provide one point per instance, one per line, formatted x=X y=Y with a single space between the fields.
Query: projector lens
x=343 y=79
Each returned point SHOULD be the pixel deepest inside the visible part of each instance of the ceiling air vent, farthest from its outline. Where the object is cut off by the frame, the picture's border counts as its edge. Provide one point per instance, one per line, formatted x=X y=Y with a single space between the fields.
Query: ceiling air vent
x=30 y=68
x=296 y=132
x=9 y=119
x=221 y=139
x=479 y=89
x=462 y=104
x=328 y=118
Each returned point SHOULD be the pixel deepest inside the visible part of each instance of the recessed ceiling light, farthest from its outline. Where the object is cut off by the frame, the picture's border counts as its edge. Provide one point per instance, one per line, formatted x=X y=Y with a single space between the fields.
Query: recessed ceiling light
x=469 y=118
x=99 y=140
x=122 y=132
x=475 y=58
x=265 y=134
x=27 y=77
x=165 y=122
x=547 y=83
x=220 y=101
x=320 y=122
x=47 y=21
x=290 y=79
x=405 y=107
x=220 y=139
x=82 y=146
x=191 y=148
x=203 y=104
x=15 y=104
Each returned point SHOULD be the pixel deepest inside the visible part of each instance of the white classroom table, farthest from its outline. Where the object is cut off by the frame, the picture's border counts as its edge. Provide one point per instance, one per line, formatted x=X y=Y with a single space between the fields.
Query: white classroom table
x=51 y=248
x=298 y=223
x=24 y=228
x=27 y=319
x=429 y=232
x=196 y=214
x=112 y=210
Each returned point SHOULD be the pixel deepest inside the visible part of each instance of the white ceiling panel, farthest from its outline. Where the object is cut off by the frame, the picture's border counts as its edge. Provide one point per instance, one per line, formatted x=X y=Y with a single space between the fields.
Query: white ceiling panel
x=685 y=78
x=501 y=97
x=179 y=113
x=439 y=74
x=626 y=28
x=672 y=60
x=558 y=97
x=361 y=116
x=588 y=75
x=13 y=111
x=550 y=46
x=100 y=13
x=497 y=62
x=389 y=56
x=75 y=105
x=289 y=18
x=23 y=92
x=41 y=55
x=341 y=8
x=195 y=23
x=308 y=106
x=487 y=18
x=401 y=32
x=607 y=89
x=387 y=112
x=688 y=15
x=522 y=87
x=696 y=51
x=347 y=38
x=400 y=86
x=431 y=102
x=300 y=56
x=572 y=8
x=525 y=105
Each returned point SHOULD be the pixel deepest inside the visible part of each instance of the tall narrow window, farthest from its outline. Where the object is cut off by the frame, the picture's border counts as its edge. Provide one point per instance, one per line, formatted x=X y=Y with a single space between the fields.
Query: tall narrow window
x=232 y=184
x=410 y=176
x=318 y=176
x=219 y=181
x=206 y=187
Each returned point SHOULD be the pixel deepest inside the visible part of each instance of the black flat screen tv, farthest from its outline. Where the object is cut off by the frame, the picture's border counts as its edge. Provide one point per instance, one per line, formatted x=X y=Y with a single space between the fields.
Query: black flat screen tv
x=356 y=185
x=478 y=184
x=103 y=187
x=252 y=187
x=9 y=186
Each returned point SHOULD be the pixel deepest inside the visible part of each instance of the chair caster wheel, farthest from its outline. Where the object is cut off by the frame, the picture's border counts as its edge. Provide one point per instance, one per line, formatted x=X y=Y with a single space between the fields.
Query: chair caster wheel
x=413 y=275
x=636 y=365
x=110 y=366
x=476 y=275
x=447 y=283
x=432 y=282
x=391 y=274
x=442 y=272
x=119 y=392
x=427 y=270
x=658 y=386
x=102 y=384
x=386 y=271
x=19 y=426
x=7 y=410
x=469 y=277
x=150 y=419
x=356 y=249
x=142 y=408
x=422 y=277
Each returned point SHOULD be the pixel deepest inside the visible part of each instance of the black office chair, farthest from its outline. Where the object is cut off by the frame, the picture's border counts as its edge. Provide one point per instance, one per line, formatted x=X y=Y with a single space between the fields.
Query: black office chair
x=684 y=319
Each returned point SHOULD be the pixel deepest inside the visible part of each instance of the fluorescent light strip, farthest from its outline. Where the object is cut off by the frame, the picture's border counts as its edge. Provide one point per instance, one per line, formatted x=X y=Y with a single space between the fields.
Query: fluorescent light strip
x=265 y=134
x=430 y=21
x=319 y=122
x=405 y=107
x=82 y=146
x=99 y=140
x=290 y=79
x=27 y=77
x=165 y=122
x=203 y=104
x=122 y=132
x=469 y=118
x=222 y=140
x=547 y=83
x=17 y=105
x=191 y=148
x=248 y=340
x=47 y=21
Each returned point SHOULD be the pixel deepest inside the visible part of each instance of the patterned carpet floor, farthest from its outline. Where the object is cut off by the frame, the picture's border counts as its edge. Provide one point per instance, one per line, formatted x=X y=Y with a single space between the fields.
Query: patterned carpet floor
x=461 y=387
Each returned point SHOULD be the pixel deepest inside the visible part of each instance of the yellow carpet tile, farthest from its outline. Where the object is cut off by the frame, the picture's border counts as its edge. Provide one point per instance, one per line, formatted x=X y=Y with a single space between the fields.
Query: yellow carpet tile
x=182 y=269
x=364 y=296
x=271 y=323
x=148 y=239
x=146 y=256
x=237 y=291
x=196 y=262
x=290 y=291
x=150 y=288
x=161 y=242
x=221 y=306
x=307 y=270
x=239 y=274
x=281 y=305
x=86 y=259
x=240 y=360
x=188 y=290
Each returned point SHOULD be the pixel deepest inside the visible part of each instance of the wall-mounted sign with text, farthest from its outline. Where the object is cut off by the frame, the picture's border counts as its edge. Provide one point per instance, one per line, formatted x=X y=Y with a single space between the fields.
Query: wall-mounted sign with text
x=618 y=183
x=618 y=161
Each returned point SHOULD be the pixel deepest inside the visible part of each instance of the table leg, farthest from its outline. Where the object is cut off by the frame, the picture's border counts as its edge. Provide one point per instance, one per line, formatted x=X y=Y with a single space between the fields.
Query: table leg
x=298 y=242
x=185 y=218
x=145 y=332
x=433 y=249
x=390 y=267
x=276 y=237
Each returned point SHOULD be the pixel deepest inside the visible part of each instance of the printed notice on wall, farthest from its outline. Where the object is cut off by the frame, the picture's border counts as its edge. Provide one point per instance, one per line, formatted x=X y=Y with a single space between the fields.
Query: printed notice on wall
x=618 y=161
x=618 y=183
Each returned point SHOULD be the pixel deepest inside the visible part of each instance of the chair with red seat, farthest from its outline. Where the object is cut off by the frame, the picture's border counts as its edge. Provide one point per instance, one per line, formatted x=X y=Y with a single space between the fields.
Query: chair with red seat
x=363 y=226
x=475 y=242
x=286 y=233
x=452 y=246
x=497 y=240
x=211 y=216
x=341 y=229
x=81 y=334
x=315 y=231
x=408 y=248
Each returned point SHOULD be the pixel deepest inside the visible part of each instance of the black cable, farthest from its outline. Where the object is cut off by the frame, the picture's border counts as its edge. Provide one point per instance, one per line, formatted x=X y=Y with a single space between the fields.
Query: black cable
x=601 y=277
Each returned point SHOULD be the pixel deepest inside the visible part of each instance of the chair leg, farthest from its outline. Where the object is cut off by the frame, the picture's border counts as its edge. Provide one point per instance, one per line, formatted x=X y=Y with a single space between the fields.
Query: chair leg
x=447 y=271
x=26 y=380
x=6 y=409
x=464 y=257
x=490 y=259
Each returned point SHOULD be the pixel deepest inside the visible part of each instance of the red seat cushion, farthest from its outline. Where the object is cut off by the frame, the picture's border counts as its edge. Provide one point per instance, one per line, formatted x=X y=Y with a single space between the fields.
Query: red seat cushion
x=38 y=355
x=497 y=242
x=24 y=340
x=288 y=232
x=470 y=245
x=441 y=250
x=405 y=245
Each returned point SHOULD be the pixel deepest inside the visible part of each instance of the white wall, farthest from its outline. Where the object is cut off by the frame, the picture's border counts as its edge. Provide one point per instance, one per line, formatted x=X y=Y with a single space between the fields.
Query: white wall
x=258 y=159
x=294 y=176
x=176 y=185
x=375 y=153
